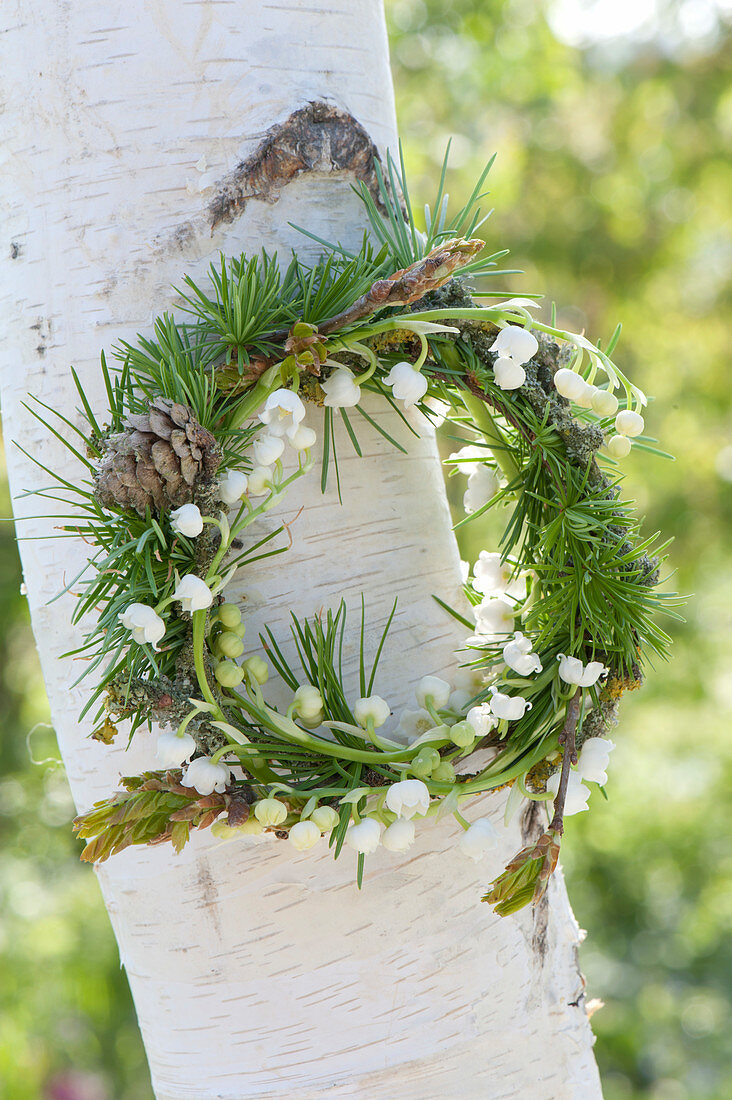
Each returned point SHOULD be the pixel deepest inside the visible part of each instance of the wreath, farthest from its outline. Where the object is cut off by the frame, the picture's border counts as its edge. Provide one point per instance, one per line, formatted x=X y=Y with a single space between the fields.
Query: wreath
x=190 y=457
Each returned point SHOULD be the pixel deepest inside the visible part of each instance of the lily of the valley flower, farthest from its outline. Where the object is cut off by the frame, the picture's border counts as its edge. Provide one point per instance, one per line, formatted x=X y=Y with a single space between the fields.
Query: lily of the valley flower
x=491 y=573
x=514 y=346
x=257 y=668
x=232 y=486
x=594 y=758
x=341 y=390
x=494 y=615
x=482 y=486
x=469 y=459
x=325 y=817
x=571 y=385
x=144 y=624
x=283 y=411
x=187 y=520
x=260 y=481
x=408 y=385
x=270 y=812
x=629 y=423
x=303 y=438
x=372 y=709
x=193 y=593
x=304 y=835
x=618 y=446
x=308 y=702
x=433 y=690
x=365 y=836
x=414 y=723
x=205 y=776
x=399 y=836
x=479 y=839
x=515 y=342
x=267 y=449
x=482 y=720
x=508 y=374
x=508 y=707
x=572 y=671
x=518 y=656
x=577 y=793
x=408 y=798
x=604 y=403
x=174 y=750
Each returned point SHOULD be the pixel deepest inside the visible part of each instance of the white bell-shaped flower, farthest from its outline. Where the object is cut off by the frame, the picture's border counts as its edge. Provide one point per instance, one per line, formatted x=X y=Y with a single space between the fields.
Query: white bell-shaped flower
x=268 y=448
x=205 y=776
x=365 y=836
x=270 y=812
x=325 y=817
x=260 y=481
x=469 y=459
x=304 y=835
x=569 y=383
x=482 y=719
x=572 y=671
x=490 y=573
x=283 y=411
x=232 y=486
x=508 y=707
x=399 y=836
x=518 y=655
x=407 y=798
x=308 y=702
x=407 y=384
x=509 y=374
x=303 y=438
x=577 y=794
x=193 y=593
x=341 y=390
x=187 y=520
x=434 y=690
x=629 y=423
x=618 y=446
x=144 y=624
x=372 y=708
x=604 y=403
x=494 y=615
x=514 y=342
x=174 y=750
x=594 y=758
x=479 y=839
x=482 y=486
x=413 y=724
x=586 y=396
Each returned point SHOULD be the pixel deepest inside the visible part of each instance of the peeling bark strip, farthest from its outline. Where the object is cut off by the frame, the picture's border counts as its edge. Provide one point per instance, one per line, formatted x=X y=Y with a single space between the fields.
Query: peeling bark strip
x=317 y=138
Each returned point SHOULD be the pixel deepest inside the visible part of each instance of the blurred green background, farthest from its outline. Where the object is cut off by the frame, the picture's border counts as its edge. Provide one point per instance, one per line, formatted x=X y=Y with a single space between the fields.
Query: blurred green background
x=612 y=121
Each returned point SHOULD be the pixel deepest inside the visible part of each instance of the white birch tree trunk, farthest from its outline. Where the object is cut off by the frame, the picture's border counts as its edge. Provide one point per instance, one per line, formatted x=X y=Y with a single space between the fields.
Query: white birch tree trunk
x=256 y=972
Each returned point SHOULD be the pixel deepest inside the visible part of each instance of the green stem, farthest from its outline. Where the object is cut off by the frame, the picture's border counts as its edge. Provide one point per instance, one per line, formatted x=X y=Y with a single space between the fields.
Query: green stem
x=487 y=782
x=291 y=732
x=199 y=628
x=484 y=422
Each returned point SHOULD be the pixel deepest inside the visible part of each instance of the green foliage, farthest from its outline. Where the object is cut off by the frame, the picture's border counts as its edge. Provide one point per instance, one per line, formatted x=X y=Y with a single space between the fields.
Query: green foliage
x=613 y=186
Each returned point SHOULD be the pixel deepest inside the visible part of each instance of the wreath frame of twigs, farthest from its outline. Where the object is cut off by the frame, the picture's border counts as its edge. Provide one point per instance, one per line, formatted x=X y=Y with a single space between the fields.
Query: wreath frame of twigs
x=191 y=456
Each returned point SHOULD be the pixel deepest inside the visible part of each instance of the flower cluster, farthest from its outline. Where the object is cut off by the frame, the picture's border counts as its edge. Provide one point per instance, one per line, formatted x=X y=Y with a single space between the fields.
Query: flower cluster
x=603 y=402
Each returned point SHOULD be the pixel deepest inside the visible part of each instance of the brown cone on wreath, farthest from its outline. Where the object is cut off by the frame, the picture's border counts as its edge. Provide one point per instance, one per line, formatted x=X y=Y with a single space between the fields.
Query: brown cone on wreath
x=160 y=461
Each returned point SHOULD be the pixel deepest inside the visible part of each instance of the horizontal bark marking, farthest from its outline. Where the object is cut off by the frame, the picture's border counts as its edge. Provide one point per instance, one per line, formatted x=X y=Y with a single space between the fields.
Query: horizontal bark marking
x=318 y=137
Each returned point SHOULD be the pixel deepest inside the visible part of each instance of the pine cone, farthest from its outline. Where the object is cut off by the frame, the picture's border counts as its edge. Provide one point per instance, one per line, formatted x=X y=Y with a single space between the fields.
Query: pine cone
x=159 y=461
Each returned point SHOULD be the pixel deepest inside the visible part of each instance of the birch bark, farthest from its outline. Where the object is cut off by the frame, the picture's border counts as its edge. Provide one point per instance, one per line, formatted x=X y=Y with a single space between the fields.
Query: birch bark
x=256 y=972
